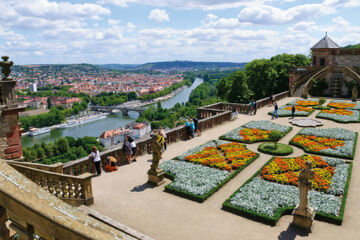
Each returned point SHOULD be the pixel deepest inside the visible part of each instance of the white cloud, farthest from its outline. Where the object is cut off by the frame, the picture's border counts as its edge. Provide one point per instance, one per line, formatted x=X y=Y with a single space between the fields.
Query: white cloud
x=159 y=15
x=113 y=22
x=352 y=3
x=265 y=14
x=185 y=4
x=213 y=21
x=130 y=27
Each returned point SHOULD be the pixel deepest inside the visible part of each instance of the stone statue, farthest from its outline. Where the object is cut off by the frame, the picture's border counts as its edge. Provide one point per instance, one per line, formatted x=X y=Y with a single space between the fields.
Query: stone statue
x=156 y=175
x=354 y=94
x=6 y=65
x=303 y=214
x=304 y=185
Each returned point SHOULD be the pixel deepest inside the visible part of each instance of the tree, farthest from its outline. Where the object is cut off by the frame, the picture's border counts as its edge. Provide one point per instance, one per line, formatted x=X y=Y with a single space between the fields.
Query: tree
x=240 y=92
x=275 y=136
x=132 y=96
x=63 y=145
x=48 y=103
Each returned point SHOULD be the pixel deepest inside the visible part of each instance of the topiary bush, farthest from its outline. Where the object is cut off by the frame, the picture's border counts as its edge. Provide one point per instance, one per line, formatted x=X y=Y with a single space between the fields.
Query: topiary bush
x=275 y=136
x=280 y=149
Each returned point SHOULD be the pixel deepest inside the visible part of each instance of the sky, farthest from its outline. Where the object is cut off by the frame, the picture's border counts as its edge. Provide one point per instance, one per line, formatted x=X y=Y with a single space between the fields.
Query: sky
x=140 y=31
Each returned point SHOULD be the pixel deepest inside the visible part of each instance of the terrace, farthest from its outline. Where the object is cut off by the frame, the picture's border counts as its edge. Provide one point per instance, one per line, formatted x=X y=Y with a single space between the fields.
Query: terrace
x=125 y=197
x=124 y=201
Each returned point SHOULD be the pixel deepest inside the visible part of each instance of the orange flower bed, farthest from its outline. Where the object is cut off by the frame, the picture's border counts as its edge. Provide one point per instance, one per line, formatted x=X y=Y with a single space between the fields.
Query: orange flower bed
x=307 y=103
x=287 y=170
x=315 y=143
x=253 y=134
x=341 y=105
x=300 y=108
x=339 y=112
x=235 y=156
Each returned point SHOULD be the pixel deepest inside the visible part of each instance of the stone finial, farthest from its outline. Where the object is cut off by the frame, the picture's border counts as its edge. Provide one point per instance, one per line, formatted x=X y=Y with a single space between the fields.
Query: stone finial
x=6 y=65
x=354 y=94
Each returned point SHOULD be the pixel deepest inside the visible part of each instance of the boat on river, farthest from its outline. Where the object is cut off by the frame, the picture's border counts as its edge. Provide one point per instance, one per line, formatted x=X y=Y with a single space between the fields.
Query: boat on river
x=37 y=131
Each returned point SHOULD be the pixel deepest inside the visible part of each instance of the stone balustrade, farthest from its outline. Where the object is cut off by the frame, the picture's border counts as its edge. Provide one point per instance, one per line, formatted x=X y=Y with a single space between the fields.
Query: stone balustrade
x=75 y=190
x=209 y=116
x=34 y=213
x=56 y=167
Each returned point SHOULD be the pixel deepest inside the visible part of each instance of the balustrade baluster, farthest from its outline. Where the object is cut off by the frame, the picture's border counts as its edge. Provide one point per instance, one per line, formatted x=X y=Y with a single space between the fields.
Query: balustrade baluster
x=4 y=231
x=58 y=188
x=71 y=190
x=77 y=190
x=65 y=189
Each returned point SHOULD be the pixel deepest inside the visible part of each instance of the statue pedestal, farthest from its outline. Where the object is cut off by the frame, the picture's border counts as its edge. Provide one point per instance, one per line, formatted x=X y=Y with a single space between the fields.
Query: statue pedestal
x=156 y=177
x=303 y=219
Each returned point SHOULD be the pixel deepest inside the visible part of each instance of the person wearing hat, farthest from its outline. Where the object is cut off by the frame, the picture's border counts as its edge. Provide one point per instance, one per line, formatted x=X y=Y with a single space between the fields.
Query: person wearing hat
x=95 y=155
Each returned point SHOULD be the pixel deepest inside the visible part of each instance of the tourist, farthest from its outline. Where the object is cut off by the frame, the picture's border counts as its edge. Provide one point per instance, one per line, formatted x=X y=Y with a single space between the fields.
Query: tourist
x=110 y=165
x=127 y=149
x=192 y=128
x=133 y=148
x=252 y=105
x=255 y=106
x=163 y=134
x=95 y=155
x=196 y=123
x=271 y=100
x=275 y=113
x=293 y=111
x=188 y=128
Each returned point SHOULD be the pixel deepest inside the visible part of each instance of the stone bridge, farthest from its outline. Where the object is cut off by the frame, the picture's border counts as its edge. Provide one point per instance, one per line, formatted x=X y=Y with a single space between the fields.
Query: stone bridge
x=124 y=110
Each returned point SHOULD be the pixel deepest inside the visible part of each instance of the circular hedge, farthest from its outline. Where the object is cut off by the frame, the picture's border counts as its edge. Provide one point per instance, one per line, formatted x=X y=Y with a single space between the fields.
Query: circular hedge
x=281 y=149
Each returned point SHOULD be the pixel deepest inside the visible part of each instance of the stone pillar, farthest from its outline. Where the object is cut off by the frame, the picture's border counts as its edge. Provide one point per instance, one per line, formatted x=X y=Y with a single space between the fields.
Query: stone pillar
x=10 y=131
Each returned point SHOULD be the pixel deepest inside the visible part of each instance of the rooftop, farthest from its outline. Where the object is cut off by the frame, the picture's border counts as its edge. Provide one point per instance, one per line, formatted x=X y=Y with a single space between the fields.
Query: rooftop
x=125 y=196
x=325 y=42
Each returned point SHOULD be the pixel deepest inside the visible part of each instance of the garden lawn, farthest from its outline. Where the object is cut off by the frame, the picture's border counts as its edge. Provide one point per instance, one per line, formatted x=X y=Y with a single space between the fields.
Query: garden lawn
x=273 y=192
x=201 y=171
x=340 y=115
x=255 y=131
x=336 y=142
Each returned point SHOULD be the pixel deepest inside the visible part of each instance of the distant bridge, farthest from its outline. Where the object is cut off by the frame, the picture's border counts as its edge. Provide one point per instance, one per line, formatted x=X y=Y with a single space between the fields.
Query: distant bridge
x=124 y=110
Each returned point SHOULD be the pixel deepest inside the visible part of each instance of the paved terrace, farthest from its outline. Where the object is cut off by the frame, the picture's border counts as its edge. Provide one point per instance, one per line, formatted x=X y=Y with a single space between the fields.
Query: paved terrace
x=125 y=197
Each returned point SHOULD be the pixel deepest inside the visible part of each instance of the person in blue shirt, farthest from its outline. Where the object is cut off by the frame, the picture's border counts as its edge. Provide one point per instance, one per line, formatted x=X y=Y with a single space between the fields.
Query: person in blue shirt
x=192 y=127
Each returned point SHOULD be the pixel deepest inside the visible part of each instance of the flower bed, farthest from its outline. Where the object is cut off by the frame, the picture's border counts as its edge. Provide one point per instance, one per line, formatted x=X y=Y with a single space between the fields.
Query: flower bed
x=337 y=142
x=285 y=111
x=344 y=104
x=201 y=171
x=305 y=102
x=267 y=200
x=254 y=131
x=340 y=115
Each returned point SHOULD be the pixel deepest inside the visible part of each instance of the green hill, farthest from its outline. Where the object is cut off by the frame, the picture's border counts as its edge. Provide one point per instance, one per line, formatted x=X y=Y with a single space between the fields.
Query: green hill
x=356 y=46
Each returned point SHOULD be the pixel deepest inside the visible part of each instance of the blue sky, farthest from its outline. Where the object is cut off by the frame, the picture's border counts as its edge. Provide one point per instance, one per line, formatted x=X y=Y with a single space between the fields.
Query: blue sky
x=139 y=31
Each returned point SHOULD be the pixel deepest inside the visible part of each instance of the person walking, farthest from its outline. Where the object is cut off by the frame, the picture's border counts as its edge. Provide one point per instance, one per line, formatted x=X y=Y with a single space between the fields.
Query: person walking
x=251 y=107
x=95 y=155
x=127 y=149
x=163 y=134
x=293 y=111
x=133 y=148
x=275 y=113
x=196 y=123
x=188 y=128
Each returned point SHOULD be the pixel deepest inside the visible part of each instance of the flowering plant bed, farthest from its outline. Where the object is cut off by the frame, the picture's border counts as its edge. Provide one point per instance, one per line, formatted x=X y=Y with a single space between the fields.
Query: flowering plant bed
x=197 y=175
x=266 y=198
x=337 y=142
x=340 y=115
x=285 y=111
x=305 y=102
x=344 y=104
x=255 y=131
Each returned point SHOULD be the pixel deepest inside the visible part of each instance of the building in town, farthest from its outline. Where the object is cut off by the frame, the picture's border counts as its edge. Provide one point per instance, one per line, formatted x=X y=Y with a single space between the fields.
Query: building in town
x=33 y=87
x=114 y=136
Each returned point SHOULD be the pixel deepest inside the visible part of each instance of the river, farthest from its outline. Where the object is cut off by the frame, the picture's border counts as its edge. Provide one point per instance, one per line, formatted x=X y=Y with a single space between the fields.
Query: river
x=112 y=121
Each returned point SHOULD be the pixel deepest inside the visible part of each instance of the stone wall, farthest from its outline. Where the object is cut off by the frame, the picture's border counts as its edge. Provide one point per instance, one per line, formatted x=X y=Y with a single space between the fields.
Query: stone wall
x=351 y=61
x=10 y=135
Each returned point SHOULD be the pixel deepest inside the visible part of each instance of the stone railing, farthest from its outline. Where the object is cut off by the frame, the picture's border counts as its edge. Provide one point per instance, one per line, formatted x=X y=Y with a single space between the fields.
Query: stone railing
x=56 y=167
x=34 y=213
x=210 y=116
x=75 y=190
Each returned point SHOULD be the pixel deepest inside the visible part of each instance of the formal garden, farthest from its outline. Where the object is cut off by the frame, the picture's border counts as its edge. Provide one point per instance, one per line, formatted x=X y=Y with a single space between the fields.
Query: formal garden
x=273 y=190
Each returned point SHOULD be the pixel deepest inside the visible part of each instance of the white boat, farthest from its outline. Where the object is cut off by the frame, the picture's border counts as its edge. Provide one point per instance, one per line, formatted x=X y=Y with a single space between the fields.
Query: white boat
x=73 y=122
x=37 y=131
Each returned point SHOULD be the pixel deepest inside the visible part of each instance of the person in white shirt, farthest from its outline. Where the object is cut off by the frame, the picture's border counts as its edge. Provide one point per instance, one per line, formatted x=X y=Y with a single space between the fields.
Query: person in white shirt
x=133 y=148
x=95 y=155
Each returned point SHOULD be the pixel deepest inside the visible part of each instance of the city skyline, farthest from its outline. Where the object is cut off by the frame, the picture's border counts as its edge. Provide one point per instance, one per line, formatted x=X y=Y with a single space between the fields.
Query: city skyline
x=136 y=32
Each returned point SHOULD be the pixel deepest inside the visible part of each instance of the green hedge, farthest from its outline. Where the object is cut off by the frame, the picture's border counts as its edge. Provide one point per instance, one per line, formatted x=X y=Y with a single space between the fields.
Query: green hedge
x=327 y=154
x=252 y=215
x=202 y=198
x=242 y=141
x=281 y=149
